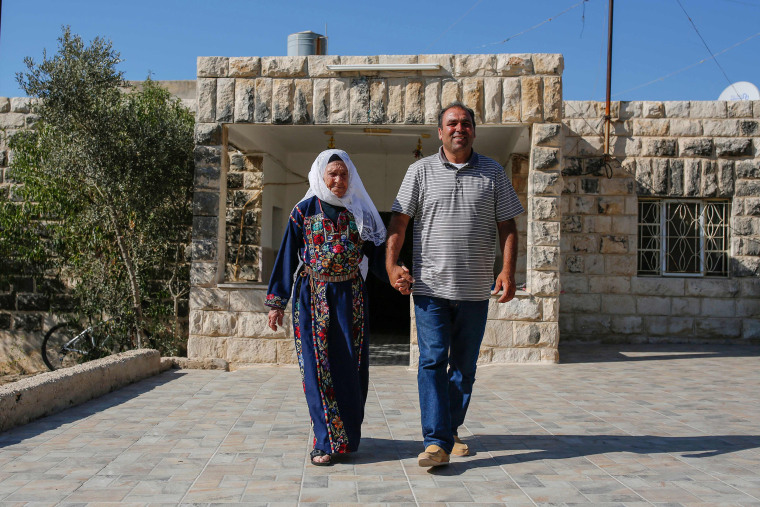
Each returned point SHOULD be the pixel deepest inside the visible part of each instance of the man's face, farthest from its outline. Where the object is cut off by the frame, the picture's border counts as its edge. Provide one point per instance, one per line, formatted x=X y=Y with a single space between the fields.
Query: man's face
x=457 y=133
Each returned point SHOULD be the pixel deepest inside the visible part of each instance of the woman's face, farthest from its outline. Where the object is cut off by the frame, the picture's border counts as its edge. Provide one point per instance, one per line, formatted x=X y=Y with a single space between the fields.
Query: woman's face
x=336 y=178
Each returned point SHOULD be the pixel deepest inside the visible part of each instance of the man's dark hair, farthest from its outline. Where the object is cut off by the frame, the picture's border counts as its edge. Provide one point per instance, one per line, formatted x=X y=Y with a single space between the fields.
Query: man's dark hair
x=460 y=105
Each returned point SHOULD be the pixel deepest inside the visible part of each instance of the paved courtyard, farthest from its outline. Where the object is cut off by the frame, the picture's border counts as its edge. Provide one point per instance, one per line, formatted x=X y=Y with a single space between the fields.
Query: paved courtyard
x=612 y=425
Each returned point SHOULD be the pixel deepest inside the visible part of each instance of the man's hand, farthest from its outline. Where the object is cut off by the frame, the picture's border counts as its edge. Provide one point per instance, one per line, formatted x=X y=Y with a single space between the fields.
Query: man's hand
x=401 y=279
x=506 y=282
x=275 y=318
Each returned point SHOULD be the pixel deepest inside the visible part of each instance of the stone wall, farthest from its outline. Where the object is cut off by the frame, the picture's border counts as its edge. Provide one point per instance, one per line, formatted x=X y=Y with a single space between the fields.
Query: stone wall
x=668 y=150
x=228 y=320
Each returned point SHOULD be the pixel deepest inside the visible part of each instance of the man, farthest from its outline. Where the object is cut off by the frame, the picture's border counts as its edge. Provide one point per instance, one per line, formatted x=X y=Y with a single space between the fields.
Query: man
x=459 y=200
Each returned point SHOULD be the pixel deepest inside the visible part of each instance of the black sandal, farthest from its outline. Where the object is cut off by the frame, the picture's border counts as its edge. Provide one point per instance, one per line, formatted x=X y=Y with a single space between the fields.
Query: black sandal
x=317 y=452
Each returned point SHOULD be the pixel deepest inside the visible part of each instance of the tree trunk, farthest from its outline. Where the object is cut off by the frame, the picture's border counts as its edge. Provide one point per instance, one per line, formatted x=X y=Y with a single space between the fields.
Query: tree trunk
x=134 y=286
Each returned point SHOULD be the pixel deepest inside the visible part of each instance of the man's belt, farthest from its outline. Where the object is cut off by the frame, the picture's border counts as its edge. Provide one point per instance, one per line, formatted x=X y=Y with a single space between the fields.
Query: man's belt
x=327 y=278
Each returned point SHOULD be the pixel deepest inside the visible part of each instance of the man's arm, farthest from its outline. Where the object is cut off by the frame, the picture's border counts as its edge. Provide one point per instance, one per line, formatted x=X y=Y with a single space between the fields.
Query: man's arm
x=396 y=234
x=508 y=245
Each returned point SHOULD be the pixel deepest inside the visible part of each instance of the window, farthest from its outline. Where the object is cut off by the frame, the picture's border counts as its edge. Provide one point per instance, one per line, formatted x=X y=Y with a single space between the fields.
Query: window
x=683 y=237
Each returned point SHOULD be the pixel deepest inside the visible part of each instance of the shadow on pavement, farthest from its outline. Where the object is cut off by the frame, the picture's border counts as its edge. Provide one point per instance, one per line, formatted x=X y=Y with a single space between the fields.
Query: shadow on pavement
x=578 y=352
x=86 y=409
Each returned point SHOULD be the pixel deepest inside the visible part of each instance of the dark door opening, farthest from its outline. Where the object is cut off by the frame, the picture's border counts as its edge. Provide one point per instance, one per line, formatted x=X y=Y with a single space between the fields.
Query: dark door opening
x=389 y=318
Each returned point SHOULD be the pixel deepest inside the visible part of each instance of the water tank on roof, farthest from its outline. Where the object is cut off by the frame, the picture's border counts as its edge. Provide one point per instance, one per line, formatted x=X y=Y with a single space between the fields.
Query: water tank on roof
x=306 y=43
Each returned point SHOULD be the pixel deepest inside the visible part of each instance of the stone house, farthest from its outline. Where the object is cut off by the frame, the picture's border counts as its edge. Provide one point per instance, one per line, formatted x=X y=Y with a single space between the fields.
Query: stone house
x=662 y=243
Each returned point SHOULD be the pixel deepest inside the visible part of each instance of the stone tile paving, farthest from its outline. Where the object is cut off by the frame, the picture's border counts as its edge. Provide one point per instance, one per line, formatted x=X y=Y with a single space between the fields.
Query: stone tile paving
x=612 y=425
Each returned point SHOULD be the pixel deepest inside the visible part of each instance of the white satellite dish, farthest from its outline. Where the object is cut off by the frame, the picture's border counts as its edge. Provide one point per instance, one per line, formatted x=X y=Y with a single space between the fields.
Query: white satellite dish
x=741 y=90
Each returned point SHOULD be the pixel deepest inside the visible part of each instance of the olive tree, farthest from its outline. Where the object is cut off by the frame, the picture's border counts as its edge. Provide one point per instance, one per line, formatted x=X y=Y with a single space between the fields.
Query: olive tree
x=106 y=173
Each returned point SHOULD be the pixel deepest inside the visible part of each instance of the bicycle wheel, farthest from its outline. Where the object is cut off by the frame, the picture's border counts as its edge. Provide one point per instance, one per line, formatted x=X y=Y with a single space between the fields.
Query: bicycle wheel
x=58 y=350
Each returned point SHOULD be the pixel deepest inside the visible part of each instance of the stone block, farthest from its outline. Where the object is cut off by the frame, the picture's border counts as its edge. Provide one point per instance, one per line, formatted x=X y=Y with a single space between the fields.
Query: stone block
x=544 y=283
x=432 y=100
x=213 y=66
x=317 y=65
x=205 y=227
x=520 y=308
x=543 y=257
x=519 y=355
x=286 y=352
x=514 y=65
x=653 y=305
x=202 y=347
x=609 y=285
x=414 y=102
x=699 y=147
x=645 y=286
x=303 y=101
x=378 y=100
x=618 y=304
x=445 y=61
x=203 y=250
x=396 y=99
x=651 y=127
x=251 y=350
x=498 y=333
x=708 y=109
x=283 y=66
x=573 y=284
x=321 y=101
x=219 y=324
x=544 y=208
x=685 y=128
x=282 y=101
x=20 y=105
x=677 y=109
x=531 y=99
x=544 y=63
x=624 y=265
x=547 y=134
x=248 y=300
x=718 y=328
x=750 y=329
x=718 y=307
x=712 y=287
x=244 y=100
x=692 y=177
x=526 y=334
x=614 y=244
x=206 y=96
x=733 y=147
x=202 y=273
x=244 y=66
x=359 y=99
x=262 y=110
x=544 y=233
x=5 y=104
x=615 y=187
x=492 y=96
x=628 y=324
x=584 y=243
x=624 y=225
x=747 y=188
x=472 y=96
x=652 y=109
x=225 y=100
x=593 y=324
x=552 y=89
x=630 y=110
x=474 y=65
x=721 y=128
x=339 y=100
x=208 y=134
x=659 y=147
x=450 y=92
x=545 y=159
x=583 y=204
x=739 y=108
x=511 y=100
x=209 y=299
x=255 y=325
x=546 y=183
x=749 y=128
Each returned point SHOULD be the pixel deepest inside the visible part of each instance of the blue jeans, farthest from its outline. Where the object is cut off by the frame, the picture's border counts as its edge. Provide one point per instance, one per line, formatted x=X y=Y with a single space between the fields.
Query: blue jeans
x=444 y=378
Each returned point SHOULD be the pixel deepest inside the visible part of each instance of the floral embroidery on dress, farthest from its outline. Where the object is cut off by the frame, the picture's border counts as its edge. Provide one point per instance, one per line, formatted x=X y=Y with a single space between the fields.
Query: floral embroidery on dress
x=274 y=301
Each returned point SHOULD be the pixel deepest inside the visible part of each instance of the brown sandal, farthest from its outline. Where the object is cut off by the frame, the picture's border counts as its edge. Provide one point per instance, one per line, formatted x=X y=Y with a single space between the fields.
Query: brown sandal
x=317 y=452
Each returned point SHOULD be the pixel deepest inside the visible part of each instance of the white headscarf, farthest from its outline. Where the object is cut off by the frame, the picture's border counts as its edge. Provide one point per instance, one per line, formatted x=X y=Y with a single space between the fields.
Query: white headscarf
x=356 y=200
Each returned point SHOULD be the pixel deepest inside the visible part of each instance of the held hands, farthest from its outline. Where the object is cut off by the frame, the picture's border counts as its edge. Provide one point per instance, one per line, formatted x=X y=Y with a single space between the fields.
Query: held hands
x=275 y=318
x=506 y=282
x=400 y=278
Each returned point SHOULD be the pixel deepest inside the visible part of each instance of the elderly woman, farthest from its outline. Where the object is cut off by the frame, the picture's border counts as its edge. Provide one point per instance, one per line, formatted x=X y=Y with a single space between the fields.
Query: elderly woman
x=329 y=233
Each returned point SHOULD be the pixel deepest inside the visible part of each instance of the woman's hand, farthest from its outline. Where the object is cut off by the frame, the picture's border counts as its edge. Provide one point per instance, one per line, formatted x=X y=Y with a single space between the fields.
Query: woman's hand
x=275 y=318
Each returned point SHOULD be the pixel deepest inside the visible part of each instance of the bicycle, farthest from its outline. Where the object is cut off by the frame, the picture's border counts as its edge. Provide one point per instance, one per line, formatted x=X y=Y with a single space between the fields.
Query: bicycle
x=67 y=344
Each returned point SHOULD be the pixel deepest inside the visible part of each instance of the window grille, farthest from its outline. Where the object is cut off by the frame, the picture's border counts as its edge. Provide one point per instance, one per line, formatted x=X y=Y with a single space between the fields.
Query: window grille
x=683 y=238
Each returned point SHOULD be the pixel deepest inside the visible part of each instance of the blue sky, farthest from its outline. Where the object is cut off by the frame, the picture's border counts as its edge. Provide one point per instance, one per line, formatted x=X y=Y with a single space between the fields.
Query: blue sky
x=652 y=38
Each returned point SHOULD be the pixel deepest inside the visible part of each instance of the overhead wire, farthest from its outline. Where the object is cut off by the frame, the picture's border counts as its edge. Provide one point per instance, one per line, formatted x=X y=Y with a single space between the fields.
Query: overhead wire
x=454 y=24
x=700 y=62
x=535 y=26
x=706 y=46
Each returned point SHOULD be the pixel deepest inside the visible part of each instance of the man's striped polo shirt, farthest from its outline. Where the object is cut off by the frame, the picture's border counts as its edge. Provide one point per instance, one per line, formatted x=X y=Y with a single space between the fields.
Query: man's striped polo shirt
x=455 y=213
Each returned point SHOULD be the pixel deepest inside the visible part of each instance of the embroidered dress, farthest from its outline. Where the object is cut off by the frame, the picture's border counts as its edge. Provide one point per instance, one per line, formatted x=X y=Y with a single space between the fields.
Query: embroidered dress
x=329 y=318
